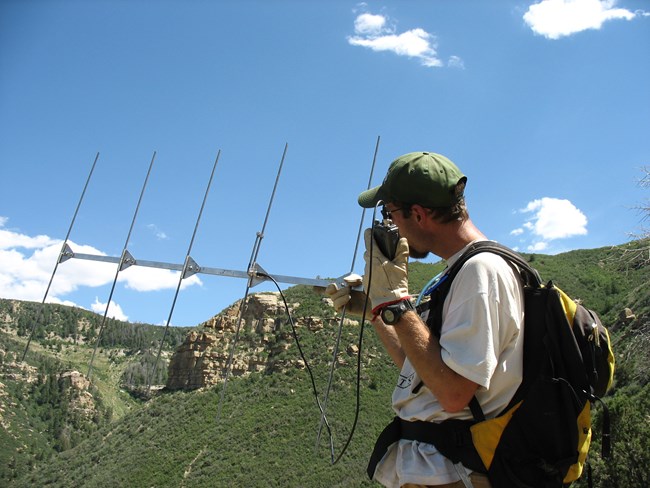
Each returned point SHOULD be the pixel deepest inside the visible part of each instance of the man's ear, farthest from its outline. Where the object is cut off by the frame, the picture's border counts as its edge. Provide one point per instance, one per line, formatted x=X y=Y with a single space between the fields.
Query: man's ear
x=419 y=212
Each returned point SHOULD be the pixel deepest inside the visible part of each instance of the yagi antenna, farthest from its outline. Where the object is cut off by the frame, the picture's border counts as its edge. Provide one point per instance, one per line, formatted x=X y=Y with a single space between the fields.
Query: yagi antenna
x=254 y=275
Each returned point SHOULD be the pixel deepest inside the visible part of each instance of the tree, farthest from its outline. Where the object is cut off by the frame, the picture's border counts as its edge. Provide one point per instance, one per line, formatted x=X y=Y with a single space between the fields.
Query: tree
x=639 y=255
x=644 y=208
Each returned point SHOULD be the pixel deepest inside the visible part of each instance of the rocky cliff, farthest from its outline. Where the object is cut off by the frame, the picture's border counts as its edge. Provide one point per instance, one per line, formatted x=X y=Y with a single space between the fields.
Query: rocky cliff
x=264 y=333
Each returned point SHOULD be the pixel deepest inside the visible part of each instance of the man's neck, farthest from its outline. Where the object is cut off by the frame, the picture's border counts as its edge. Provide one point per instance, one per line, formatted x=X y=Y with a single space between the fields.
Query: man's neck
x=458 y=235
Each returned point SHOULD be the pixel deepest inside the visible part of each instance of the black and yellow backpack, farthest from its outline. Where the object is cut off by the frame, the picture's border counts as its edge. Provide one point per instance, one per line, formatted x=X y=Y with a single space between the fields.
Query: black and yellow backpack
x=541 y=439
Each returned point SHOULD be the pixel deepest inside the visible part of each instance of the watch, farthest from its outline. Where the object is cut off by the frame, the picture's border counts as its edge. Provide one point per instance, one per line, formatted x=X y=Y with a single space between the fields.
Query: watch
x=391 y=314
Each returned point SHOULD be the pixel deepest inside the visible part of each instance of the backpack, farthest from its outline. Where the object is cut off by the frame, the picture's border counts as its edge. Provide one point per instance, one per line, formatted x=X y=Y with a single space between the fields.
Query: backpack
x=542 y=437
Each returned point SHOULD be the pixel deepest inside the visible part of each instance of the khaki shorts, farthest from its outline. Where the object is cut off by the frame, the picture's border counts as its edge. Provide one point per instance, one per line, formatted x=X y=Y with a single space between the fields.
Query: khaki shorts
x=478 y=480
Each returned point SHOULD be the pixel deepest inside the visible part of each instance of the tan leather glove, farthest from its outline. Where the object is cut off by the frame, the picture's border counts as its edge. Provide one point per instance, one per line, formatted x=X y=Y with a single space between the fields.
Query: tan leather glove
x=344 y=296
x=389 y=280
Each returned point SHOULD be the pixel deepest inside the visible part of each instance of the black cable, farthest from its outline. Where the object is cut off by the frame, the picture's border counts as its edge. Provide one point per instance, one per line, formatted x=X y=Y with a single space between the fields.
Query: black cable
x=302 y=355
x=360 y=346
x=358 y=386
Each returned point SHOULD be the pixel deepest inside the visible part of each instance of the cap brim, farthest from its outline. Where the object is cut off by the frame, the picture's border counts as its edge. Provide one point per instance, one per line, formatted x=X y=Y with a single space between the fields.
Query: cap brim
x=369 y=198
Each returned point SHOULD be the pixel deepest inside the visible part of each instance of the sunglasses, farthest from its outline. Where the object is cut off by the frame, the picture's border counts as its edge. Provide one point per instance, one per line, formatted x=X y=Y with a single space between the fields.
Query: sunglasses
x=388 y=214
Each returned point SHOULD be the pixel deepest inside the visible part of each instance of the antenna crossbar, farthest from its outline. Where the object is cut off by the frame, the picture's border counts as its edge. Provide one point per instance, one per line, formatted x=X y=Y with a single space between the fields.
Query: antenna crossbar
x=257 y=274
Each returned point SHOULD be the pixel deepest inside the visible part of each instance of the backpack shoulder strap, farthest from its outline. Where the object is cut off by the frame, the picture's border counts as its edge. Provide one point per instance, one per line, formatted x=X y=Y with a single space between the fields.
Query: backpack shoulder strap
x=528 y=275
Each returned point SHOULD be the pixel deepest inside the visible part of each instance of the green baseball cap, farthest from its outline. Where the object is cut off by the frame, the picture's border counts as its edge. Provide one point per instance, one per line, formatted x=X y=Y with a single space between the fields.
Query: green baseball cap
x=425 y=178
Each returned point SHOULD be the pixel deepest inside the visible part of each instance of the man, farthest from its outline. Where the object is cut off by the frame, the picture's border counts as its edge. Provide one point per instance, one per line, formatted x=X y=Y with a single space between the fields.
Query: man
x=479 y=352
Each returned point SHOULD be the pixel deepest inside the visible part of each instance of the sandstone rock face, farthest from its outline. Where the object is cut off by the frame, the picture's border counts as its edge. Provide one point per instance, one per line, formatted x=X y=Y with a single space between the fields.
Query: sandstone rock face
x=12 y=368
x=81 y=401
x=202 y=360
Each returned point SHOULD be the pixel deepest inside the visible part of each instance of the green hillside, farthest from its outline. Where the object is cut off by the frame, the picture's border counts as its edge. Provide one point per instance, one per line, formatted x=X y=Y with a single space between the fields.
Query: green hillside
x=261 y=431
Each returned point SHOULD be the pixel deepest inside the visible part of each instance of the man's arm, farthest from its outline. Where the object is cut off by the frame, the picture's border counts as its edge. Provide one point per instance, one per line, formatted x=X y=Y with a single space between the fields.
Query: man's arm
x=416 y=342
x=391 y=342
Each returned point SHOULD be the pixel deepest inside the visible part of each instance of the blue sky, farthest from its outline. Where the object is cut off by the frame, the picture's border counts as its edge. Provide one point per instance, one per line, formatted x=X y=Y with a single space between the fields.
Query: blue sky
x=544 y=105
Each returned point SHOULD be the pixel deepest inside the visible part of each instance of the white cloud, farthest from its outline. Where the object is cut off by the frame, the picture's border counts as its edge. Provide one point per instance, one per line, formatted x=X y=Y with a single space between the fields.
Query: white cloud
x=160 y=235
x=456 y=62
x=369 y=24
x=27 y=264
x=114 y=310
x=551 y=219
x=538 y=246
x=9 y=239
x=63 y=302
x=558 y=18
x=139 y=278
x=555 y=219
x=373 y=32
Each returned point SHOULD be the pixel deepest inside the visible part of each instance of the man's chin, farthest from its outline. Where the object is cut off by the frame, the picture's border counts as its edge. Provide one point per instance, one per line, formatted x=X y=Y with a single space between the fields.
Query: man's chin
x=415 y=254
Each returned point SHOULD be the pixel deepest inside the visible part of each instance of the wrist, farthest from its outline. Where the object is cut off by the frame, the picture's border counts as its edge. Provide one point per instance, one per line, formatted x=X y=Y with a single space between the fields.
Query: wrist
x=387 y=297
x=392 y=314
x=376 y=311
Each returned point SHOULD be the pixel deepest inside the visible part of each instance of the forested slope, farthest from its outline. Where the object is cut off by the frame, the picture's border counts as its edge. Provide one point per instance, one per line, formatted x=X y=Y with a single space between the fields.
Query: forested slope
x=261 y=431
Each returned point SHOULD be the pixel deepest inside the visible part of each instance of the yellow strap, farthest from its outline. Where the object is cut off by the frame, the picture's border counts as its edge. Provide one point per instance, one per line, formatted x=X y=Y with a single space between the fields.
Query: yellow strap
x=568 y=305
x=584 y=440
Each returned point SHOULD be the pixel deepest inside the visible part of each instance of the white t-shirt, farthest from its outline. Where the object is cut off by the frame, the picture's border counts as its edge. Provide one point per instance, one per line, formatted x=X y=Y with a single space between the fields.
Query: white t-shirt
x=482 y=340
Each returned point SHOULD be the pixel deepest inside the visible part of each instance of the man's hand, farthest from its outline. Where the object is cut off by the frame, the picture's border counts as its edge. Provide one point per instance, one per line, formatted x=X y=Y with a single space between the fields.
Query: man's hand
x=344 y=296
x=385 y=281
